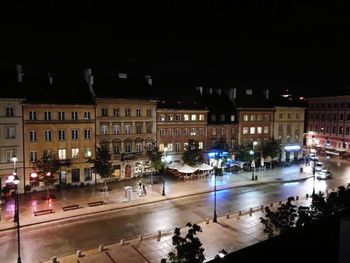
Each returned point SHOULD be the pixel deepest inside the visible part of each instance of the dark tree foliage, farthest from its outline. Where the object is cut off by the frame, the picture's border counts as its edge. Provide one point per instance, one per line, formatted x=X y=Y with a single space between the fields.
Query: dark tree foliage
x=272 y=148
x=242 y=152
x=155 y=156
x=102 y=164
x=192 y=154
x=188 y=249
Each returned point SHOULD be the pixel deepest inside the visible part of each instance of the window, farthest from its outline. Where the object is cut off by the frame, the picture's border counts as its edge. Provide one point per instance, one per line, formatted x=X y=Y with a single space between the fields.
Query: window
x=127 y=128
x=193 y=117
x=266 y=129
x=139 y=147
x=75 y=153
x=138 y=128
x=341 y=130
x=213 y=117
x=222 y=117
x=61 y=135
x=104 y=112
x=178 y=117
x=193 y=132
x=186 y=117
x=297 y=116
x=87 y=134
x=116 y=128
x=232 y=117
x=252 y=117
x=200 y=145
x=289 y=115
x=128 y=147
x=161 y=132
x=334 y=117
x=9 y=111
x=127 y=112
x=177 y=147
x=33 y=156
x=185 y=145
x=87 y=153
x=10 y=132
x=245 y=117
x=170 y=117
x=289 y=128
x=32 y=115
x=9 y=155
x=116 y=148
x=245 y=130
x=149 y=127
x=223 y=131
x=280 y=128
x=177 y=132
x=187 y=132
x=201 y=117
x=86 y=115
x=47 y=135
x=32 y=136
x=149 y=112
x=87 y=174
x=75 y=134
x=62 y=154
x=161 y=147
x=201 y=131
x=74 y=115
x=170 y=132
x=266 y=117
x=75 y=175
x=341 y=116
x=104 y=129
x=47 y=115
x=252 y=130
x=116 y=112
x=213 y=131
x=259 y=130
x=170 y=147
x=348 y=116
x=347 y=130
x=138 y=112
x=161 y=117
x=61 y=115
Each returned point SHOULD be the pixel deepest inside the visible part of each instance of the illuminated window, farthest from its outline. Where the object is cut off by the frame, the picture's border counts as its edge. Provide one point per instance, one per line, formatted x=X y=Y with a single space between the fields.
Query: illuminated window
x=200 y=145
x=88 y=152
x=170 y=147
x=201 y=117
x=161 y=147
x=193 y=117
x=62 y=154
x=252 y=130
x=245 y=130
x=127 y=128
x=186 y=117
x=245 y=117
x=259 y=130
x=75 y=153
x=161 y=117
x=266 y=129
x=213 y=131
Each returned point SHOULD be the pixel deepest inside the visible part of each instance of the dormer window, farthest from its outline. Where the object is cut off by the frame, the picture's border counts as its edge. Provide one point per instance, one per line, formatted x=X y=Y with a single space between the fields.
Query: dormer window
x=249 y=91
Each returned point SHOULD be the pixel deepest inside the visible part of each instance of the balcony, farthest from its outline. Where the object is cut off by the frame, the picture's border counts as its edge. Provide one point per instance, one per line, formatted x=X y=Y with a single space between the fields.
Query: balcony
x=64 y=162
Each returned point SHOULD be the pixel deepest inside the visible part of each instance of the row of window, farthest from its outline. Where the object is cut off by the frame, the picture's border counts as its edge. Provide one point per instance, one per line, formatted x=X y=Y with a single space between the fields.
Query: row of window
x=329 y=116
x=179 y=117
x=176 y=146
x=61 y=115
x=104 y=128
x=186 y=132
x=330 y=129
x=289 y=115
x=254 y=130
x=221 y=117
x=62 y=154
x=335 y=105
x=254 y=117
x=61 y=134
x=127 y=112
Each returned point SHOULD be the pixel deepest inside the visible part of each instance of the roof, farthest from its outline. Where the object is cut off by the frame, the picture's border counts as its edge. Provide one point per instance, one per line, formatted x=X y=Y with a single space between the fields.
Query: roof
x=9 y=85
x=257 y=98
x=111 y=86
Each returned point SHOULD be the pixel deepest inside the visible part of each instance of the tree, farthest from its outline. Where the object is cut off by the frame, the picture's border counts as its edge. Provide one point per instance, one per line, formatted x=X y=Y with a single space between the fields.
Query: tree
x=188 y=249
x=223 y=150
x=272 y=148
x=103 y=164
x=192 y=154
x=242 y=152
x=155 y=156
x=46 y=168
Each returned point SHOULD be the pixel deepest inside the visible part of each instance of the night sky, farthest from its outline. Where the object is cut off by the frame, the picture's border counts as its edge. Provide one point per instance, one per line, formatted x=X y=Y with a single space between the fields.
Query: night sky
x=302 y=47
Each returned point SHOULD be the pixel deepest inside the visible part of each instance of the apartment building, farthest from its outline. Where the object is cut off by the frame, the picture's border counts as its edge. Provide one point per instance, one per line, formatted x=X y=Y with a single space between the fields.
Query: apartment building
x=125 y=122
x=59 y=117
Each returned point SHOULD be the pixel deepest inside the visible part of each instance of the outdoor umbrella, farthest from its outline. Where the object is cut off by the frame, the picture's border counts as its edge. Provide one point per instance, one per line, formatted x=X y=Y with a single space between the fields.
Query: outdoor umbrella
x=187 y=169
x=175 y=166
x=204 y=167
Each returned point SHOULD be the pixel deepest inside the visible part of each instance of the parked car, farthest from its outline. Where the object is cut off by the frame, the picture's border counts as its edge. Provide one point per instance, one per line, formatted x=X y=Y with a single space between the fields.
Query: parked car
x=324 y=174
x=318 y=166
x=312 y=157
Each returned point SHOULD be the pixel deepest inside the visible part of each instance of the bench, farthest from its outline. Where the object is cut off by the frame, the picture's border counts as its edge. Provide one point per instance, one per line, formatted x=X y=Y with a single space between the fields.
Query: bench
x=70 y=207
x=95 y=203
x=43 y=212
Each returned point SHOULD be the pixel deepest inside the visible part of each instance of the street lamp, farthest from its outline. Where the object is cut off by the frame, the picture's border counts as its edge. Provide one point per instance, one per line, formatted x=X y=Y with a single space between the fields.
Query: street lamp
x=165 y=152
x=313 y=174
x=16 y=181
x=215 y=219
x=251 y=152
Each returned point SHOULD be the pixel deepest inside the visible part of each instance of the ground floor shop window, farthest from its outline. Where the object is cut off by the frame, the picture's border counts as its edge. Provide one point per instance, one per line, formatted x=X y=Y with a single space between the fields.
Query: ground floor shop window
x=138 y=169
x=87 y=174
x=116 y=172
x=75 y=175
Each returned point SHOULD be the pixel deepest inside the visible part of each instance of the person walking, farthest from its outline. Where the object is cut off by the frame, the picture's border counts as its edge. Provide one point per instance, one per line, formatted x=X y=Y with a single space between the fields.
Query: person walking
x=144 y=190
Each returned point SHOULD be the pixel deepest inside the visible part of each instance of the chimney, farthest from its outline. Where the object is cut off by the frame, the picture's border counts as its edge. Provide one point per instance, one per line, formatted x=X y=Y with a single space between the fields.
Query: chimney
x=19 y=73
x=200 y=89
x=50 y=78
x=122 y=75
x=266 y=93
x=89 y=78
x=149 y=80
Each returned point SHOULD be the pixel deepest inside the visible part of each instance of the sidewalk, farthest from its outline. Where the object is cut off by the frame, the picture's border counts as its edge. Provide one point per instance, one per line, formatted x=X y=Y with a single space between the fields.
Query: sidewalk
x=115 y=199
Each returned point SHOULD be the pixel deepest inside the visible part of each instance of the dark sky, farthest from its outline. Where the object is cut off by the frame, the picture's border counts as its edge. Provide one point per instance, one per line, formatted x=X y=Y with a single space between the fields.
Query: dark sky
x=297 y=46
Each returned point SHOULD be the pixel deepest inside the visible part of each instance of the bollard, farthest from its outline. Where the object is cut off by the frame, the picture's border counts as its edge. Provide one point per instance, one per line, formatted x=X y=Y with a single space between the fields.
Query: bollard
x=297 y=197
x=271 y=205
x=307 y=196
x=280 y=202
x=207 y=220
x=240 y=212
x=256 y=177
x=140 y=237
x=100 y=248
x=159 y=235
x=122 y=242
x=250 y=211
x=54 y=259
x=262 y=207
x=227 y=215
x=79 y=253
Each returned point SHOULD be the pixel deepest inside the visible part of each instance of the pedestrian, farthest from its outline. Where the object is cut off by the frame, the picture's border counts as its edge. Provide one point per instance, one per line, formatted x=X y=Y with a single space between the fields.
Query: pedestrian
x=140 y=184
x=144 y=190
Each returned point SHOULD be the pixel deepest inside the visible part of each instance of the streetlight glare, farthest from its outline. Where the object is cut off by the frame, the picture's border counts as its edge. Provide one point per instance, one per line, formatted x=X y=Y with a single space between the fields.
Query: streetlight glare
x=14 y=159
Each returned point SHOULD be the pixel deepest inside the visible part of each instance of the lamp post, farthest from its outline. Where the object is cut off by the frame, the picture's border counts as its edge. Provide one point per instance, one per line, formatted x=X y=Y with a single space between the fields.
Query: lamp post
x=313 y=174
x=165 y=152
x=251 y=152
x=215 y=219
x=16 y=181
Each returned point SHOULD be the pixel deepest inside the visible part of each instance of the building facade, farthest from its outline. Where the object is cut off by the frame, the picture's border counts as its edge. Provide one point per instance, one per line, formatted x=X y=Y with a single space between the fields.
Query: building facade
x=328 y=124
x=11 y=140
x=289 y=128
